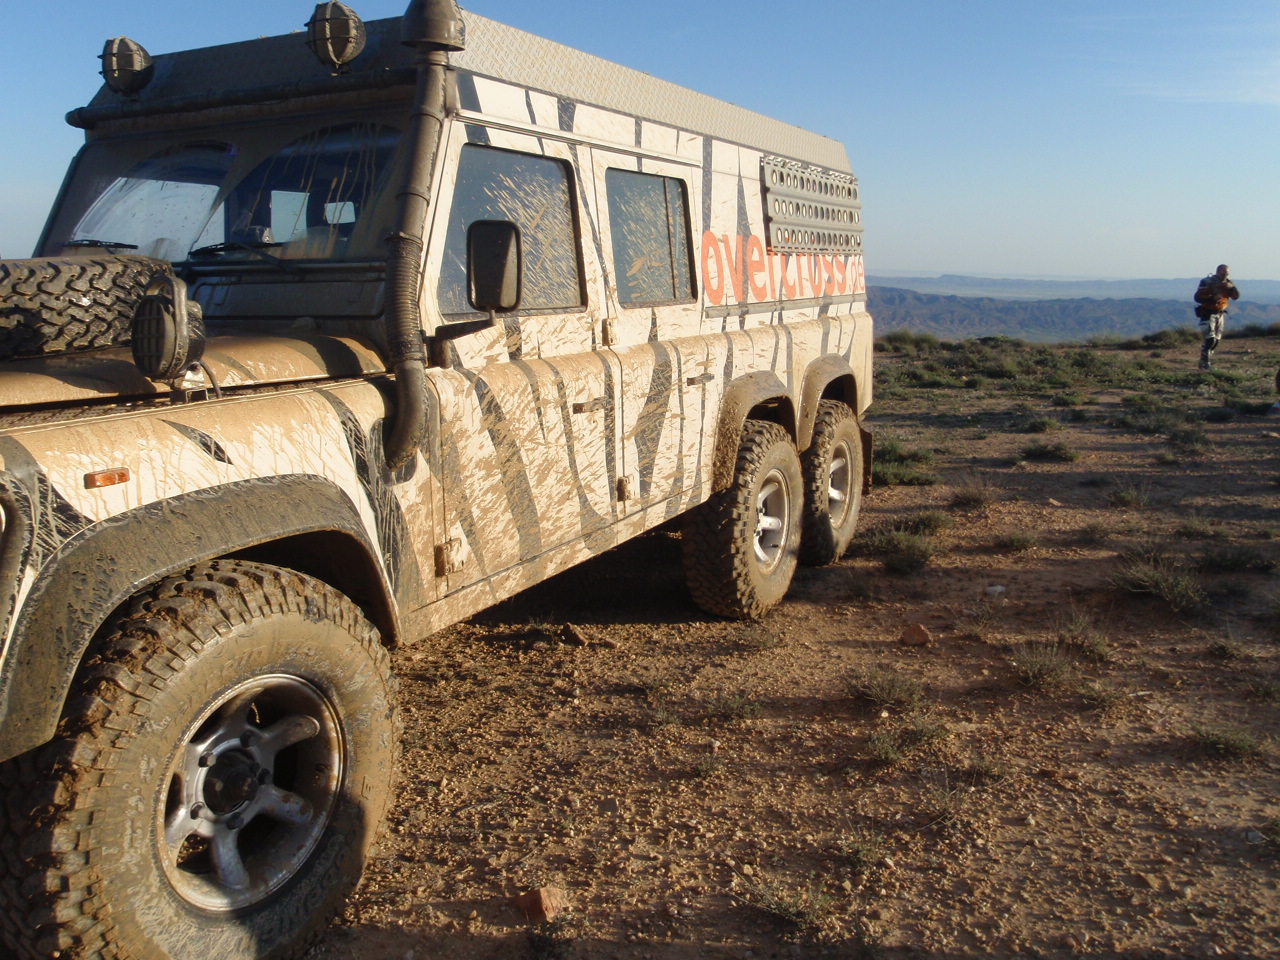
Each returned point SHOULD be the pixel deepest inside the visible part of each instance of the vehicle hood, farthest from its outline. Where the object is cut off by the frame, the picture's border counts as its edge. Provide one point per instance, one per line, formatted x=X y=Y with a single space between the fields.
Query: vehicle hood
x=245 y=361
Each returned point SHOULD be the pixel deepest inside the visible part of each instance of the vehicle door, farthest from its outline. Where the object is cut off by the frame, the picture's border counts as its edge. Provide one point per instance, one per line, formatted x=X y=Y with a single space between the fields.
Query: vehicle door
x=527 y=411
x=654 y=323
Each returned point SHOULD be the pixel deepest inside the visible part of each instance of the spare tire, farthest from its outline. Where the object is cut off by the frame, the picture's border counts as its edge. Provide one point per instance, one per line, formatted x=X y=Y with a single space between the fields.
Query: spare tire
x=70 y=303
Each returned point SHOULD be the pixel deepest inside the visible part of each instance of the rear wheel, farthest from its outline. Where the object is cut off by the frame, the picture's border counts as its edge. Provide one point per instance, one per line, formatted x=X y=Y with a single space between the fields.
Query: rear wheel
x=740 y=546
x=832 y=485
x=216 y=780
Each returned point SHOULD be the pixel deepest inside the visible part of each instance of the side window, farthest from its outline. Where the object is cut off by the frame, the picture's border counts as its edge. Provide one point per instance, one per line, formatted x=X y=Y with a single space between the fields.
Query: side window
x=649 y=220
x=533 y=193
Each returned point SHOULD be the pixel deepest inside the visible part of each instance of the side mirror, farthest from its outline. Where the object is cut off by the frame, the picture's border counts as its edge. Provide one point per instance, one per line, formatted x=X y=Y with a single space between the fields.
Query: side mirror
x=494 y=265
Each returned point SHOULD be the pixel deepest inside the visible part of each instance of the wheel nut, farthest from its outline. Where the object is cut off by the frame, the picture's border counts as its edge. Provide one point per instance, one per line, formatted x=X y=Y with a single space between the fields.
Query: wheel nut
x=248 y=738
x=235 y=821
x=197 y=810
x=264 y=777
x=207 y=758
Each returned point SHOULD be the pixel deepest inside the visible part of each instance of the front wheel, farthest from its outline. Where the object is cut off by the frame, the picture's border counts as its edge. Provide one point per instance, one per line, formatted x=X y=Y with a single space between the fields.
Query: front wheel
x=832 y=485
x=740 y=546
x=218 y=775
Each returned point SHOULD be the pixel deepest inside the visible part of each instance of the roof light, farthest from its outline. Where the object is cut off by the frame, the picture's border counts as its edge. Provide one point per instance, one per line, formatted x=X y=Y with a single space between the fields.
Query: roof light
x=335 y=35
x=126 y=66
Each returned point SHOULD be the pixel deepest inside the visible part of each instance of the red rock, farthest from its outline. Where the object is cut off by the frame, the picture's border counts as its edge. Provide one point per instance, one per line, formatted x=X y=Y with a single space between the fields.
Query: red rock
x=915 y=635
x=541 y=905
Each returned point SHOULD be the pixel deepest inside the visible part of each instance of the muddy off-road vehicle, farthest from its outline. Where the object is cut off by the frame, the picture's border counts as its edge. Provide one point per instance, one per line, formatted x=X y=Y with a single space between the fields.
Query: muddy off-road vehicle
x=334 y=339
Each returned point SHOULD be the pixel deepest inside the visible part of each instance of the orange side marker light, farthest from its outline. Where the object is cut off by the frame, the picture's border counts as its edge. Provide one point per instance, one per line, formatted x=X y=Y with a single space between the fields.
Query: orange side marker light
x=106 y=478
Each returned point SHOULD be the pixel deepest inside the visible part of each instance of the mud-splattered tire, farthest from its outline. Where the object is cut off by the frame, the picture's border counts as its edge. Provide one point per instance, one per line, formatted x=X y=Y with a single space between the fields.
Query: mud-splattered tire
x=740 y=547
x=832 y=468
x=69 y=303
x=219 y=772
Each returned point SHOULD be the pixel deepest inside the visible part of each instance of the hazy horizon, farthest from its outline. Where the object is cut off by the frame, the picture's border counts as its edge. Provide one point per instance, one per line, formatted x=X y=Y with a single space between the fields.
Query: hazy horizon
x=938 y=275
x=1004 y=139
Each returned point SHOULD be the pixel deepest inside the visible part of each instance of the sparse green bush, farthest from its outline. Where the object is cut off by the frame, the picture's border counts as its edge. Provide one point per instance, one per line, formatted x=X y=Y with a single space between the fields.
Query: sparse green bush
x=1058 y=452
x=1159 y=576
x=1234 y=558
x=730 y=707
x=884 y=687
x=892 y=745
x=890 y=449
x=1079 y=635
x=1041 y=424
x=1142 y=403
x=1225 y=648
x=1044 y=666
x=1148 y=424
x=897 y=550
x=891 y=474
x=1095 y=696
x=1130 y=496
x=974 y=490
x=1267 y=690
x=1197 y=528
x=1250 y=330
x=944 y=798
x=759 y=637
x=1190 y=441
x=1018 y=542
x=861 y=849
x=1170 y=338
x=1094 y=532
x=801 y=908
x=906 y=341
x=1228 y=743
x=924 y=523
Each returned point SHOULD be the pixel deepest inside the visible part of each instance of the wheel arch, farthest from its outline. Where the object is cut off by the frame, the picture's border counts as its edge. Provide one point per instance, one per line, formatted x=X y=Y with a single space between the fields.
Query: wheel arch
x=297 y=522
x=755 y=396
x=832 y=378
x=827 y=378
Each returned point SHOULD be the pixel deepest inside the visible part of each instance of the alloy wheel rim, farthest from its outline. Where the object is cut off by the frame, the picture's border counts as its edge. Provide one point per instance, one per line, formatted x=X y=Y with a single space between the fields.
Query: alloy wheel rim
x=773 y=519
x=839 y=485
x=249 y=792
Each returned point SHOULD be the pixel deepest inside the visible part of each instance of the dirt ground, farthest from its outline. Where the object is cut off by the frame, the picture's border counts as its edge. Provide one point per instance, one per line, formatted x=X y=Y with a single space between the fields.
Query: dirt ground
x=1065 y=768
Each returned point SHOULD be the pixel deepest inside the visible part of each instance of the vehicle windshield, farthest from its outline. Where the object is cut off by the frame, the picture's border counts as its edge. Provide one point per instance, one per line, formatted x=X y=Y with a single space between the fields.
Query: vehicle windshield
x=320 y=195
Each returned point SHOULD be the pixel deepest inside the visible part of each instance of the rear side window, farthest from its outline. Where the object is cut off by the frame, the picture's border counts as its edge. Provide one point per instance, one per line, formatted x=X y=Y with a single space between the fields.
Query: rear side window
x=649 y=220
x=532 y=192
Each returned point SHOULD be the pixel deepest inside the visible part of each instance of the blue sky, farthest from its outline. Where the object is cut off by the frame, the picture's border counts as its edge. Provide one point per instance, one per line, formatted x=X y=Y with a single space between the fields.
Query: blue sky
x=1090 y=139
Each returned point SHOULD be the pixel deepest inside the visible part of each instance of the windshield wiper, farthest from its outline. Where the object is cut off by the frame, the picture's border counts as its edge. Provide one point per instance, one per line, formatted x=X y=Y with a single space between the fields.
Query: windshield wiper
x=100 y=243
x=254 y=248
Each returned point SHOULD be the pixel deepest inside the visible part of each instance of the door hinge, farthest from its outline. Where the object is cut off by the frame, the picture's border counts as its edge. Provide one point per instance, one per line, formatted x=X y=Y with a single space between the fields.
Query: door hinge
x=449 y=558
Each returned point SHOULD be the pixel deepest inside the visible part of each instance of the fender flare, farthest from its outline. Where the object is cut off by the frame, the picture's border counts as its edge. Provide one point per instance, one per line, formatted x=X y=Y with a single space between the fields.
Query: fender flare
x=822 y=374
x=740 y=398
x=817 y=378
x=93 y=573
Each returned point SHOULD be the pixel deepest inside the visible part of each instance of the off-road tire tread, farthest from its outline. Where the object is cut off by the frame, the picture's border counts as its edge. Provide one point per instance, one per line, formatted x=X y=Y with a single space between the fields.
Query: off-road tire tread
x=48 y=902
x=819 y=544
x=70 y=303
x=719 y=579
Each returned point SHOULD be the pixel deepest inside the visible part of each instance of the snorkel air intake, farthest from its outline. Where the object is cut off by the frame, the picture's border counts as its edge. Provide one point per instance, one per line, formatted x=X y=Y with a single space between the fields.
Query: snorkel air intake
x=432 y=28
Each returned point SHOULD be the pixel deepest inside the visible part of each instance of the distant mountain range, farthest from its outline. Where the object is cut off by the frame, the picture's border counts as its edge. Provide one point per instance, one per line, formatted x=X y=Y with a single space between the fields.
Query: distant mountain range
x=1049 y=319
x=1257 y=291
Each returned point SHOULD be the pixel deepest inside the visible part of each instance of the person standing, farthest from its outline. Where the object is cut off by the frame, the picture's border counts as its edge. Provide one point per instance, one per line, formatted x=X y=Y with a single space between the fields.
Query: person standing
x=1212 y=296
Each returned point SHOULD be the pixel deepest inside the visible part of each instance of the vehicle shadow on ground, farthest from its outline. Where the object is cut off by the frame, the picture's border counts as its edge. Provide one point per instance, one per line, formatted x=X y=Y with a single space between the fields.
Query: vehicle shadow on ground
x=638 y=582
